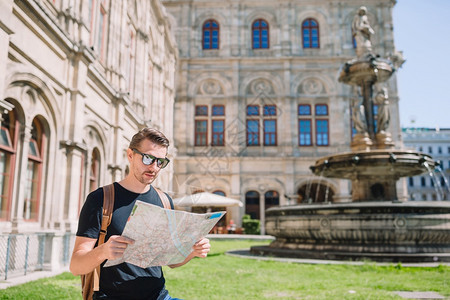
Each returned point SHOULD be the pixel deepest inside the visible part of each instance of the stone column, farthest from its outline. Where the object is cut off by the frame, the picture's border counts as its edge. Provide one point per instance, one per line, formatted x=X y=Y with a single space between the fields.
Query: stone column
x=262 y=212
x=22 y=160
x=75 y=165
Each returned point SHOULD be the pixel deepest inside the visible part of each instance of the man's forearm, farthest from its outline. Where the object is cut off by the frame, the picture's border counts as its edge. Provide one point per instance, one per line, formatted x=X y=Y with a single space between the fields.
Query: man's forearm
x=185 y=261
x=84 y=261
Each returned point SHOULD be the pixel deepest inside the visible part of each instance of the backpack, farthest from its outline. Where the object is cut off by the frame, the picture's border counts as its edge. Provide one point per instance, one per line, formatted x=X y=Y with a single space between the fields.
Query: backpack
x=90 y=282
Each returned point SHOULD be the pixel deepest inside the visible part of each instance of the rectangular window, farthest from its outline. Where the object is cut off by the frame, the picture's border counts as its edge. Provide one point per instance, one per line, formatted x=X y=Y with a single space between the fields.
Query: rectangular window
x=201 y=132
x=422 y=181
x=304 y=110
x=218 y=110
x=256 y=39
x=91 y=21
x=215 y=39
x=252 y=110
x=315 y=38
x=101 y=33
x=218 y=132
x=306 y=38
x=264 y=38
x=305 y=132
x=206 y=39
x=411 y=181
x=201 y=110
x=30 y=202
x=270 y=132
x=4 y=183
x=322 y=132
x=321 y=110
x=270 y=110
x=252 y=132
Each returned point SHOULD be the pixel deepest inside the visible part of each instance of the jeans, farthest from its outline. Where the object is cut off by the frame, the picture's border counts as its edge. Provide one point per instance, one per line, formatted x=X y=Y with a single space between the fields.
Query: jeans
x=164 y=295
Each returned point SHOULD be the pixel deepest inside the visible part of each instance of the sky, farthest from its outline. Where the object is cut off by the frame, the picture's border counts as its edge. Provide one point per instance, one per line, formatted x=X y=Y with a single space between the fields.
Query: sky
x=422 y=32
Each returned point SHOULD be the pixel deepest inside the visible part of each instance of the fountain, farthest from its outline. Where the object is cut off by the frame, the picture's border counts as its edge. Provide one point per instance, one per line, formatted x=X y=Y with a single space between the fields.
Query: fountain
x=375 y=225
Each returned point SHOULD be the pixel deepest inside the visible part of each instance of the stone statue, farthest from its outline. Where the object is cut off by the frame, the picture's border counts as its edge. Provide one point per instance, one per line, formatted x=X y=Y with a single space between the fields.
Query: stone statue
x=358 y=115
x=381 y=99
x=362 y=32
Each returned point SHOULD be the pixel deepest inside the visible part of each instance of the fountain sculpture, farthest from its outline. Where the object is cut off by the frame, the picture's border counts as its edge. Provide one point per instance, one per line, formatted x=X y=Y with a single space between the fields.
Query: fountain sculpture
x=375 y=225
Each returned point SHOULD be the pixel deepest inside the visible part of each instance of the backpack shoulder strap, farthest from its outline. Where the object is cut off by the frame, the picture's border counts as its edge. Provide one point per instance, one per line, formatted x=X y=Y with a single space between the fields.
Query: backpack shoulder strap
x=108 y=207
x=164 y=199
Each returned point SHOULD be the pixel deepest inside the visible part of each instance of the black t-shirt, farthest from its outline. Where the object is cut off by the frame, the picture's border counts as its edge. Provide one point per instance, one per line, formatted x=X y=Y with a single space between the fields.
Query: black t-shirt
x=123 y=281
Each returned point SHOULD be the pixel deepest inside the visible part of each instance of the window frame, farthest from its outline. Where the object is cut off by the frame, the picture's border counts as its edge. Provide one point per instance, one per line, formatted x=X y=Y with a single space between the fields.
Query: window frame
x=201 y=135
x=211 y=31
x=36 y=180
x=313 y=117
x=310 y=28
x=260 y=28
x=256 y=134
x=10 y=165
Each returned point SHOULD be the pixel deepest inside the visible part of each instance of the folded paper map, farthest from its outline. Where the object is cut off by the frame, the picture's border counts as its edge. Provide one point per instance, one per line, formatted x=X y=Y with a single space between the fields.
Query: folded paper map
x=163 y=236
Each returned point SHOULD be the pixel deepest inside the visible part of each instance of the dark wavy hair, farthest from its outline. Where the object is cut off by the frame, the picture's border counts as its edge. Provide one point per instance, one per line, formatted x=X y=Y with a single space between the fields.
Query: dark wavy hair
x=155 y=136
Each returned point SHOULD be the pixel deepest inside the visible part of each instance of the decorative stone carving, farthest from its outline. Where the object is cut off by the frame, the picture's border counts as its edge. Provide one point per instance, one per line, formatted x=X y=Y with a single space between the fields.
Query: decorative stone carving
x=311 y=86
x=260 y=86
x=211 y=87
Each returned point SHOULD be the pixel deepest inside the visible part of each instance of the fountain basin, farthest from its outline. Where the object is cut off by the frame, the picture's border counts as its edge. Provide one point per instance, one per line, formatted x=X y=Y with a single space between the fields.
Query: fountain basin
x=358 y=71
x=381 y=231
x=374 y=173
x=373 y=164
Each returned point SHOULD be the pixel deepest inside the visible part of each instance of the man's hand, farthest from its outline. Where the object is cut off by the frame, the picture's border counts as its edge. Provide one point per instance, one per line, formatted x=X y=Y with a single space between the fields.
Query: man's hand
x=115 y=246
x=201 y=248
x=85 y=257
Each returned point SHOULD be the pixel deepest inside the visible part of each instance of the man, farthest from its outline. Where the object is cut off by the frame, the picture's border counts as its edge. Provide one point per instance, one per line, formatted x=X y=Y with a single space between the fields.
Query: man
x=147 y=156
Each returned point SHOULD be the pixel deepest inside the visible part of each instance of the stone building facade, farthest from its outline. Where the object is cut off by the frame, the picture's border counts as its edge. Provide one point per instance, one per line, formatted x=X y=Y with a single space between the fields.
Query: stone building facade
x=436 y=143
x=77 y=79
x=257 y=96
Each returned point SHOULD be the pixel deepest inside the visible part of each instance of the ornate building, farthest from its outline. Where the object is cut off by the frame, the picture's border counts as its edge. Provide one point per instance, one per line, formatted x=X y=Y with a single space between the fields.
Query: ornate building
x=436 y=143
x=257 y=97
x=77 y=79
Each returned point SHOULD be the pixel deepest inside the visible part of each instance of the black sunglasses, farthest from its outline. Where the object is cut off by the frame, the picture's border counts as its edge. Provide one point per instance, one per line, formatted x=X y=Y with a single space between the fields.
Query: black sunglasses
x=148 y=159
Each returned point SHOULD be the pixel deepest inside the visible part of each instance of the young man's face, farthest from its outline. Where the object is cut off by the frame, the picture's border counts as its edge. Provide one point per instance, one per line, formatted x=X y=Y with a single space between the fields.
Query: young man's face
x=145 y=174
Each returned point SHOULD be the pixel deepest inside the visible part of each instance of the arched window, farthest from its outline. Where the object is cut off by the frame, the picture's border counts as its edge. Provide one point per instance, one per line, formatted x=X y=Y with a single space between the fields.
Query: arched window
x=252 y=204
x=8 y=141
x=219 y=192
x=33 y=184
x=94 y=177
x=310 y=33
x=260 y=34
x=211 y=34
x=271 y=198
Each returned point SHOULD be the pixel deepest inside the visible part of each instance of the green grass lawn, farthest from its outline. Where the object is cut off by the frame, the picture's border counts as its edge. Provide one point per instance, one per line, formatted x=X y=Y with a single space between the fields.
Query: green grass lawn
x=225 y=277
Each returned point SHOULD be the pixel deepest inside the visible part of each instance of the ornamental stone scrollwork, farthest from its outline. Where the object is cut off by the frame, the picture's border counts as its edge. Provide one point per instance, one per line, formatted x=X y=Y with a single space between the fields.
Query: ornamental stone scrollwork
x=211 y=87
x=260 y=86
x=311 y=86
